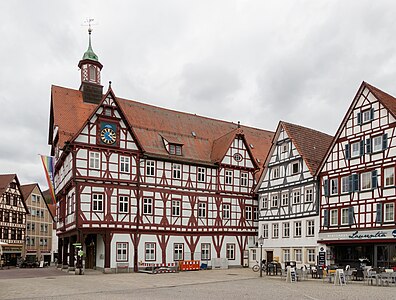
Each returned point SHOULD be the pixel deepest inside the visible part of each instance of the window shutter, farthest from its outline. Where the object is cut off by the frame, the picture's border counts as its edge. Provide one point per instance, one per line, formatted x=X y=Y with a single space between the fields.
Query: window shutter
x=378 y=218
x=374 y=180
x=326 y=187
x=359 y=118
x=350 y=179
x=351 y=213
x=361 y=147
x=368 y=145
x=355 y=179
x=347 y=154
x=326 y=218
x=372 y=114
x=384 y=141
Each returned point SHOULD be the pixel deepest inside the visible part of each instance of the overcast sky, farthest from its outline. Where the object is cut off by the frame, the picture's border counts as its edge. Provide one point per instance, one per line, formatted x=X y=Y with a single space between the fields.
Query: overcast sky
x=257 y=62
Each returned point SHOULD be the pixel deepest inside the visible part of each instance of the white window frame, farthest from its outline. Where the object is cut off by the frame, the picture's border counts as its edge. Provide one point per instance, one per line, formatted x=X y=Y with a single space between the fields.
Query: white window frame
x=205 y=251
x=149 y=251
x=122 y=251
x=97 y=202
x=389 y=212
x=389 y=176
x=345 y=184
x=150 y=168
x=377 y=143
x=333 y=186
x=294 y=172
x=125 y=162
x=344 y=216
x=228 y=177
x=94 y=160
x=275 y=230
x=333 y=217
x=311 y=255
x=265 y=231
x=148 y=206
x=296 y=197
x=244 y=179
x=248 y=213
x=366 y=116
x=286 y=255
x=226 y=211
x=286 y=229
x=298 y=255
x=201 y=174
x=265 y=202
x=310 y=227
x=309 y=195
x=202 y=209
x=176 y=171
x=230 y=251
x=355 y=149
x=123 y=204
x=366 y=181
x=297 y=229
x=178 y=251
x=285 y=199
x=275 y=173
x=274 y=201
x=176 y=208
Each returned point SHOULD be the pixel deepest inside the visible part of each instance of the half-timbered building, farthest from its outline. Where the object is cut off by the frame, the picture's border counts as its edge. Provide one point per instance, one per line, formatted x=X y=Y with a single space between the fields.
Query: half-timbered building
x=13 y=212
x=358 y=183
x=289 y=206
x=139 y=183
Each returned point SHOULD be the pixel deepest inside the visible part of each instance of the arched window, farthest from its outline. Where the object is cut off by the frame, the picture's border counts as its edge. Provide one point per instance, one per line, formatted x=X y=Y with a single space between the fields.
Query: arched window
x=92 y=73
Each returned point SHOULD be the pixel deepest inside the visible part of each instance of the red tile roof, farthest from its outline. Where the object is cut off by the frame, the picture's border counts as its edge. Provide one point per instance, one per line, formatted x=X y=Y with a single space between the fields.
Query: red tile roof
x=311 y=144
x=151 y=123
x=27 y=189
x=387 y=100
x=5 y=181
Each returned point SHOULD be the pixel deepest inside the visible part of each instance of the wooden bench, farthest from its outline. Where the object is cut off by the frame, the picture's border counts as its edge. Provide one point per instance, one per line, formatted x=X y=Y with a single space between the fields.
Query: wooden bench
x=124 y=266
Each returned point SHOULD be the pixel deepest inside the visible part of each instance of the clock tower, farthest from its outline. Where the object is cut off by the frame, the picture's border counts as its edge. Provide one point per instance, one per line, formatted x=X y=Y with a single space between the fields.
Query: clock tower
x=90 y=75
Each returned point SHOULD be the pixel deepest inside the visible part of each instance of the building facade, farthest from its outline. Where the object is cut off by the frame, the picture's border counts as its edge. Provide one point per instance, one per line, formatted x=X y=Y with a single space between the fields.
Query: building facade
x=138 y=183
x=358 y=184
x=13 y=212
x=39 y=225
x=288 y=195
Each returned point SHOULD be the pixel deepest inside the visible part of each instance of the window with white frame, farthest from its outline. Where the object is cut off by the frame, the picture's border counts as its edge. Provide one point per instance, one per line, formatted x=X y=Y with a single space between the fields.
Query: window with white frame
x=255 y=213
x=228 y=177
x=275 y=172
x=94 y=158
x=205 y=251
x=123 y=204
x=389 y=215
x=366 y=115
x=355 y=149
x=285 y=147
x=286 y=255
x=97 y=202
x=147 y=206
x=298 y=255
x=389 y=176
x=311 y=256
x=334 y=186
x=345 y=184
x=201 y=209
x=274 y=202
x=286 y=230
x=226 y=211
x=296 y=197
x=248 y=212
x=125 y=164
x=150 y=168
x=244 y=179
x=265 y=231
x=201 y=174
x=297 y=229
x=265 y=202
x=254 y=254
x=176 y=171
x=377 y=143
x=149 y=251
x=122 y=251
x=344 y=216
x=275 y=230
x=230 y=251
x=295 y=168
x=310 y=227
x=333 y=217
x=178 y=251
x=285 y=199
x=308 y=195
x=176 y=208
x=366 y=179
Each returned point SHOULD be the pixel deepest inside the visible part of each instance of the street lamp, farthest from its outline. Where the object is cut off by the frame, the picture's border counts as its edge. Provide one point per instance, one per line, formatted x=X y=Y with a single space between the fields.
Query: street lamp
x=261 y=243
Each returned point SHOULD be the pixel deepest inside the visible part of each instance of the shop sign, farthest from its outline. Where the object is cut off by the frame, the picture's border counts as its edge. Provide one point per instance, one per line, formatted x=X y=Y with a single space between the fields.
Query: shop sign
x=359 y=235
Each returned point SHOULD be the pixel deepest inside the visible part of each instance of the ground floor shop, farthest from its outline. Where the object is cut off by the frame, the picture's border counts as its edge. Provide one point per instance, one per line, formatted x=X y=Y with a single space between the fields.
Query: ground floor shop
x=10 y=254
x=376 y=248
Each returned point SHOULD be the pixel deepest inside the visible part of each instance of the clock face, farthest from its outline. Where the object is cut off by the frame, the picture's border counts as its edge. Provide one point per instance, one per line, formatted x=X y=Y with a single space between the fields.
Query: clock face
x=107 y=135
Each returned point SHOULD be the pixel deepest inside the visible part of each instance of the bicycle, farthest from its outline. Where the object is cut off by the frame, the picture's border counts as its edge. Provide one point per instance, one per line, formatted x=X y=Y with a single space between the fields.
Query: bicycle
x=256 y=267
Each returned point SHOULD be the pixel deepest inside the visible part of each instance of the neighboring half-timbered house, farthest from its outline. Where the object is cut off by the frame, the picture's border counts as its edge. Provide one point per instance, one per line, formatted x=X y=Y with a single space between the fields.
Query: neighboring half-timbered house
x=358 y=183
x=139 y=183
x=13 y=212
x=289 y=208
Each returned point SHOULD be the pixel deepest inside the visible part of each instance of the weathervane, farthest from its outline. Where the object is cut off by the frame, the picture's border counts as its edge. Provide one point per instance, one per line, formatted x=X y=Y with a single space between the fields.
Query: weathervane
x=88 y=22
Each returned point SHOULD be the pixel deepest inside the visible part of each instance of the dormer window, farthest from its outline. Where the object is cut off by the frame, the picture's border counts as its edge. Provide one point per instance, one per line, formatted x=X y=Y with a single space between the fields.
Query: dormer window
x=175 y=149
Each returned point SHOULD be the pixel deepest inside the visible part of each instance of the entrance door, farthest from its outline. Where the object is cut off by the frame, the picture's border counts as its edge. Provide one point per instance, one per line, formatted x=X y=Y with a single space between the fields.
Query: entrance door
x=270 y=256
x=90 y=257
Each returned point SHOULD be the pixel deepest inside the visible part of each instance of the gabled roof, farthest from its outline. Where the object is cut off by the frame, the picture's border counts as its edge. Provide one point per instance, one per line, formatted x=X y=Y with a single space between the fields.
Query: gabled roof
x=151 y=123
x=5 y=181
x=388 y=101
x=311 y=144
x=27 y=189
